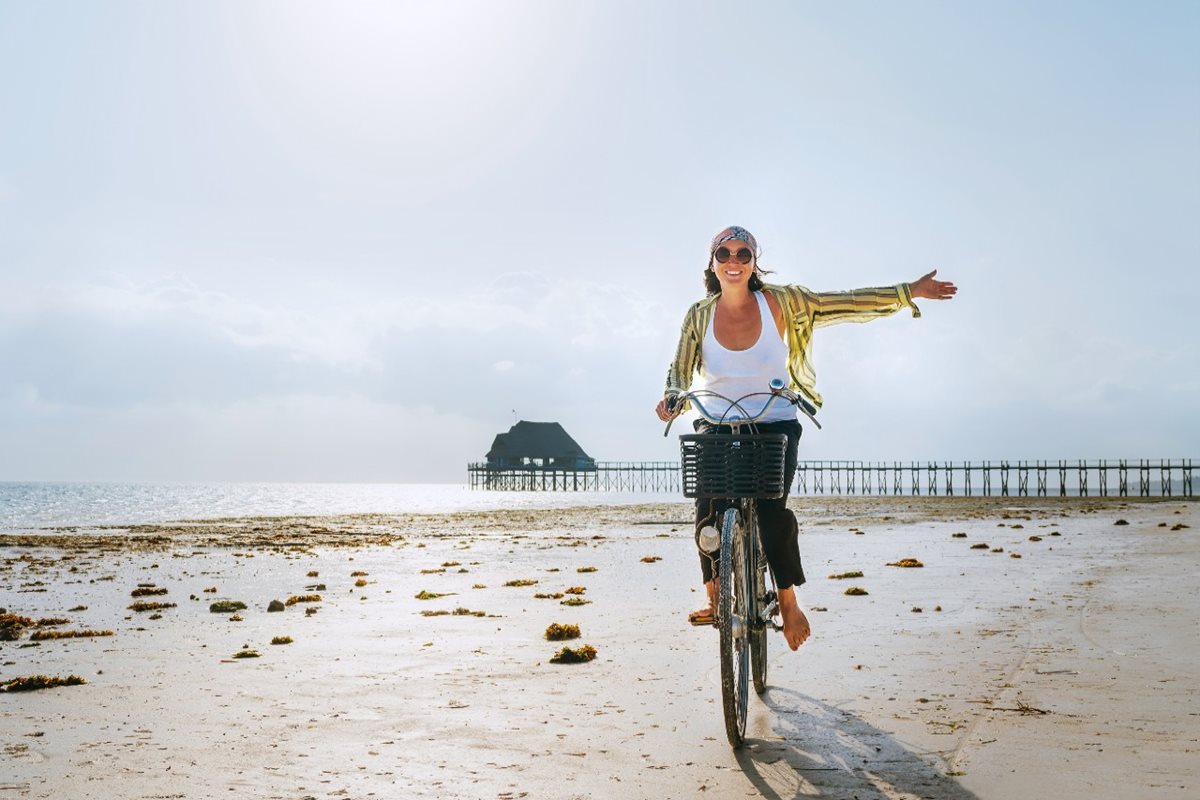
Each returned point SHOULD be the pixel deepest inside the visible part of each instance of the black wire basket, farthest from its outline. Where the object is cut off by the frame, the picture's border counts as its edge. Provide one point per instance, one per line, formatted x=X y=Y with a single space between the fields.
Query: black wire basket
x=733 y=465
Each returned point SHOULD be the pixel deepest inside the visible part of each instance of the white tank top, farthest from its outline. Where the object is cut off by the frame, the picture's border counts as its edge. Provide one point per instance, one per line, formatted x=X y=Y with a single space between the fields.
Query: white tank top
x=735 y=373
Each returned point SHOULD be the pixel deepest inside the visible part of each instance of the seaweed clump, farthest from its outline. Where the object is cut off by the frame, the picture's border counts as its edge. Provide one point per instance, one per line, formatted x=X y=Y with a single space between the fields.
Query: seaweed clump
x=247 y=653
x=39 y=636
x=281 y=640
x=148 y=605
x=11 y=626
x=521 y=582
x=585 y=569
x=575 y=601
x=427 y=595
x=458 y=612
x=548 y=596
x=837 y=576
x=578 y=655
x=651 y=559
x=226 y=606
x=906 y=562
x=855 y=591
x=31 y=683
x=146 y=591
x=303 y=598
x=558 y=633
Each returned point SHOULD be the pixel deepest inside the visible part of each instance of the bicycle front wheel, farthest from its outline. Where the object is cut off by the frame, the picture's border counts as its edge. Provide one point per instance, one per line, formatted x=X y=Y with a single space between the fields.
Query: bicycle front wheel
x=734 y=623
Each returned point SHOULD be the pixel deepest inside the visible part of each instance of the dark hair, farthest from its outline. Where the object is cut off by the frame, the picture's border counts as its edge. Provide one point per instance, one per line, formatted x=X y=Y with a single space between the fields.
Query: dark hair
x=712 y=285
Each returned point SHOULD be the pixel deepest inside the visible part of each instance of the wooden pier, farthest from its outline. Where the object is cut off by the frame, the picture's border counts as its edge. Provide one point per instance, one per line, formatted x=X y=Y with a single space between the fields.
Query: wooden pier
x=1102 y=478
x=608 y=476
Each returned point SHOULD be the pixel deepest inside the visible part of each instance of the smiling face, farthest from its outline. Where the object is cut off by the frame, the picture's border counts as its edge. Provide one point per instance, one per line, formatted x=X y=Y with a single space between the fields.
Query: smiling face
x=733 y=272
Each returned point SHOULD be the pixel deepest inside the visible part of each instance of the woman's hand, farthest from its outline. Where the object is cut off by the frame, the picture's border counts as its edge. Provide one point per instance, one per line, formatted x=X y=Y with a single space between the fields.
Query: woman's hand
x=663 y=413
x=929 y=289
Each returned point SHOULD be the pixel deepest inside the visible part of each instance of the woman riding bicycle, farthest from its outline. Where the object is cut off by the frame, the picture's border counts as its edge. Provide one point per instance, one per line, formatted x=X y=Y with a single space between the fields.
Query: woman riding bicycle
x=742 y=335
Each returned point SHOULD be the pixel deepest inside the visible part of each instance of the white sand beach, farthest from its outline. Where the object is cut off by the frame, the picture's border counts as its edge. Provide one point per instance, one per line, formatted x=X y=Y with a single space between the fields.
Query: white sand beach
x=1069 y=672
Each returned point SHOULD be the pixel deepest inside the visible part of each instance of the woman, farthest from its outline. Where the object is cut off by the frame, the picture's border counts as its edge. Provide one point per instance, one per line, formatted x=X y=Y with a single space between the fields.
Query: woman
x=743 y=334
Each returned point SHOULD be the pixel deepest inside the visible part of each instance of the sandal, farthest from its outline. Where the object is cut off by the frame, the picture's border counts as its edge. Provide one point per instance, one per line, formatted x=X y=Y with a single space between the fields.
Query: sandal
x=705 y=617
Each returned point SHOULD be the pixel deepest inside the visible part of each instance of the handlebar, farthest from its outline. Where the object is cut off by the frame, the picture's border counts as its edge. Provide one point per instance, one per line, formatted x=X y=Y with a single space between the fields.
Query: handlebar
x=776 y=391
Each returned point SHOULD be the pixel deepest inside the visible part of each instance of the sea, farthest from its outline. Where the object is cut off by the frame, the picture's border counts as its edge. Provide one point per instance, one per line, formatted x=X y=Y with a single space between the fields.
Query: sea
x=38 y=505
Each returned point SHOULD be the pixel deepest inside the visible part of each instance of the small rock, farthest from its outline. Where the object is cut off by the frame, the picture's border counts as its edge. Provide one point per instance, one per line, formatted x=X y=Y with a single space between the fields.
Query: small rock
x=276 y=605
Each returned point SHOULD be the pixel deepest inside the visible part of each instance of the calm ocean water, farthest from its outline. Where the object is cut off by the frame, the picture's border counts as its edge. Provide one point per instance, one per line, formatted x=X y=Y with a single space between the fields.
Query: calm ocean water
x=26 y=506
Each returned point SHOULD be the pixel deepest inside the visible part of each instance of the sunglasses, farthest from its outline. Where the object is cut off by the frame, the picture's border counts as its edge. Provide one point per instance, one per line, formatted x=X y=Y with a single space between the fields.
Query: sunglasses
x=744 y=255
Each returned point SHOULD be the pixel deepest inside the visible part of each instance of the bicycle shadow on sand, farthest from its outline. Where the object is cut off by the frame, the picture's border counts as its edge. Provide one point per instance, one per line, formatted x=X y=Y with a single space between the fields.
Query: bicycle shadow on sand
x=829 y=752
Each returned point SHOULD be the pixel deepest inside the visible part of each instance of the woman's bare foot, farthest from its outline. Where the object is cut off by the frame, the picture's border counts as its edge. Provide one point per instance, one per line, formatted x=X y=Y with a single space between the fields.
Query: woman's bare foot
x=703 y=616
x=709 y=611
x=795 y=623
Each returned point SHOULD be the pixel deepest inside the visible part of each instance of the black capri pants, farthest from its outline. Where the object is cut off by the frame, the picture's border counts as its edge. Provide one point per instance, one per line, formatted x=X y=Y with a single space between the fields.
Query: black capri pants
x=777 y=526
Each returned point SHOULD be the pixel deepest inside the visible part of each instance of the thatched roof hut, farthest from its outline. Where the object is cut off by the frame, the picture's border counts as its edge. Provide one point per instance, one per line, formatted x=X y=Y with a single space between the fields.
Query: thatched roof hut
x=538 y=445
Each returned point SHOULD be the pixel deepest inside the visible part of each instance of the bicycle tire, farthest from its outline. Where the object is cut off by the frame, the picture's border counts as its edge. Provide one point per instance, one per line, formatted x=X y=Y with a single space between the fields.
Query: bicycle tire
x=758 y=634
x=733 y=624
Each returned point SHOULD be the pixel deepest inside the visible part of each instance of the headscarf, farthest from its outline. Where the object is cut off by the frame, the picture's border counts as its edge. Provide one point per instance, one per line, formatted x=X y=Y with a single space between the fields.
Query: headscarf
x=734 y=232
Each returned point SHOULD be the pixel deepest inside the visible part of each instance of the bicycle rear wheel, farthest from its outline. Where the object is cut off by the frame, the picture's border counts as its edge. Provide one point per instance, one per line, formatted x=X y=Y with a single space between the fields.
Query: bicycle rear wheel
x=733 y=622
x=758 y=630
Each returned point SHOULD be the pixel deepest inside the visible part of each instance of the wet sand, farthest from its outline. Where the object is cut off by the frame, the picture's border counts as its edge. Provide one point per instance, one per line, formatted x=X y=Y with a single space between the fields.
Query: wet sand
x=1069 y=672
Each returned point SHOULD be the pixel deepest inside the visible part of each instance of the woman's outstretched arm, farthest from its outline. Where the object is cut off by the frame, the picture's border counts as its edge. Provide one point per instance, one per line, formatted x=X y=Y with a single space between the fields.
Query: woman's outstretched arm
x=863 y=305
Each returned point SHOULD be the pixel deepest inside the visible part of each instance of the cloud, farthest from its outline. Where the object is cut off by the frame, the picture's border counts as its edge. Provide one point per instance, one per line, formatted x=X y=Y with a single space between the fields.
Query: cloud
x=335 y=437
x=156 y=360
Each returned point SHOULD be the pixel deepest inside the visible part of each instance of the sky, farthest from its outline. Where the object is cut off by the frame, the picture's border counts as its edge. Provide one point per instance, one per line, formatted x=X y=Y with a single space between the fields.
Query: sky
x=353 y=241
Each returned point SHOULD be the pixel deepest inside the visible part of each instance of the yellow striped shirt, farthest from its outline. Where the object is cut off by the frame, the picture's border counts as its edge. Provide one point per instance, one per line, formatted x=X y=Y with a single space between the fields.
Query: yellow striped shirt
x=803 y=312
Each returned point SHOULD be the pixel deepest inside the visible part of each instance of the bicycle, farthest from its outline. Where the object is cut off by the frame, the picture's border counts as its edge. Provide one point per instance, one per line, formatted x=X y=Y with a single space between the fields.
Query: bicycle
x=743 y=468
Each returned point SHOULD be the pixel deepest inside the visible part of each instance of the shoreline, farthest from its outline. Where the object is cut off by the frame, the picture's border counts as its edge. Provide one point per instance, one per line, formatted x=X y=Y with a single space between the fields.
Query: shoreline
x=384 y=528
